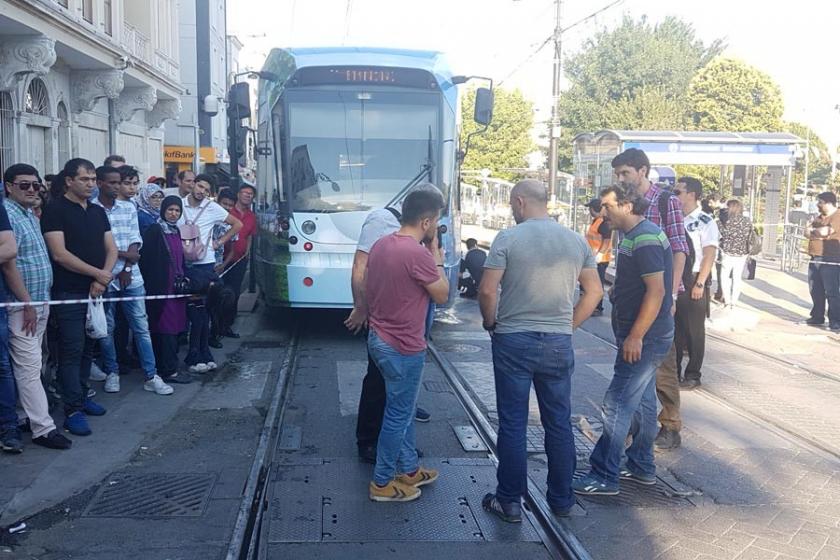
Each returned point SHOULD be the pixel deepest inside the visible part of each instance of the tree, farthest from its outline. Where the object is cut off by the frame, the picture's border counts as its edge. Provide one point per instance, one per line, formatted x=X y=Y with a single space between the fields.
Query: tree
x=819 y=157
x=508 y=138
x=731 y=95
x=633 y=77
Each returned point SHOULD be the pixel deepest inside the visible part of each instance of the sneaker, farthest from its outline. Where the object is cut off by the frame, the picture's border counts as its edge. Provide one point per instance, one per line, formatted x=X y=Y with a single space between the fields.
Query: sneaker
x=211 y=366
x=112 y=383
x=157 y=385
x=510 y=512
x=627 y=474
x=179 y=377
x=215 y=342
x=590 y=486
x=10 y=441
x=97 y=374
x=198 y=368
x=394 y=491
x=422 y=415
x=421 y=477
x=77 y=424
x=689 y=384
x=91 y=393
x=667 y=439
x=53 y=440
x=94 y=409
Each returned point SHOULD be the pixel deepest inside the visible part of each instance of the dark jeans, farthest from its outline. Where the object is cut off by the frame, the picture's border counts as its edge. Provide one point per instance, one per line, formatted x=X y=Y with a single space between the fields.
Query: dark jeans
x=121 y=338
x=630 y=407
x=547 y=360
x=8 y=389
x=75 y=351
x=198 y=316
x=824 y=285
x=602 y=274
x=235 y=275
x=371 y=406
x=166 y=353
x=690 y=333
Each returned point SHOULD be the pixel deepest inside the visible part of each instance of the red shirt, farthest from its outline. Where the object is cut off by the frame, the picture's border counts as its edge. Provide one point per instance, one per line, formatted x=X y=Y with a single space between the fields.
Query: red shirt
x=398 y=270
x=249 y=228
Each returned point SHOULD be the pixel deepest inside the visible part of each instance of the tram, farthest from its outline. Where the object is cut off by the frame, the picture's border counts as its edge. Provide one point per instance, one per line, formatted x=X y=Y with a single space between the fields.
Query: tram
x=340 y=132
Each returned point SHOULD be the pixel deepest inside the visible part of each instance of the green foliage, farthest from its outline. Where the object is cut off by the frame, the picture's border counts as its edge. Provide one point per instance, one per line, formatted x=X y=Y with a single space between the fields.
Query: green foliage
x=730 y=95
x=819 y=157
x=508 y=138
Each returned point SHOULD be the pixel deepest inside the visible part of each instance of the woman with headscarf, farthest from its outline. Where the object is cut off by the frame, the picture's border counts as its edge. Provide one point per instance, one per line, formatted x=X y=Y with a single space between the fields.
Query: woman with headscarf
x=162 y=265
x=148 y=205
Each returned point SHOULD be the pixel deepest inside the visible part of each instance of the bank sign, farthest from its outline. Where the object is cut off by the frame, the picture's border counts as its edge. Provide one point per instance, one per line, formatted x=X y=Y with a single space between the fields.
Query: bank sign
x=722 y=153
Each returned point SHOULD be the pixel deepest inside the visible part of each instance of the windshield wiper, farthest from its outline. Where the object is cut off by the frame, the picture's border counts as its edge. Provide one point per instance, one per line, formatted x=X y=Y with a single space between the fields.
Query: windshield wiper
x=425 y=170
x=324 y=177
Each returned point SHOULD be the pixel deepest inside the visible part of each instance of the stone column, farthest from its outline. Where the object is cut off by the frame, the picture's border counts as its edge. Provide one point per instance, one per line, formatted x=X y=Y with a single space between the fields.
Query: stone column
x=772 y=210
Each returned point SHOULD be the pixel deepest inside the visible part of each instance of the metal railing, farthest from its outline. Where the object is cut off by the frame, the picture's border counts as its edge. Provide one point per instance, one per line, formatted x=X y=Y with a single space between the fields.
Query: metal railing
x=135 y=42
x=794 y=243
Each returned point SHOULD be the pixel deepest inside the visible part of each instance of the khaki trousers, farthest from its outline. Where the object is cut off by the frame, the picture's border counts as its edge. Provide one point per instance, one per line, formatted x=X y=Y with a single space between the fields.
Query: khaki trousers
x=668 y=392
x=26 y=355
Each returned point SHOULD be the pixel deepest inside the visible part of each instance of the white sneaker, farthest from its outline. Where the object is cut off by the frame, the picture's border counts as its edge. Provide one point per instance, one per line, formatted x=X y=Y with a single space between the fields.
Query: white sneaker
x=112 y=383
x=97 y=374
x=198 y=368
x=157 y=385
x=211 y=366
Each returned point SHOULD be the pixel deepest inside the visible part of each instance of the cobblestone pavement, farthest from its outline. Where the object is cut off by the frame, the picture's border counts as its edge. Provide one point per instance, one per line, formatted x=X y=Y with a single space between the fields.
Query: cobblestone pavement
x=750 y=492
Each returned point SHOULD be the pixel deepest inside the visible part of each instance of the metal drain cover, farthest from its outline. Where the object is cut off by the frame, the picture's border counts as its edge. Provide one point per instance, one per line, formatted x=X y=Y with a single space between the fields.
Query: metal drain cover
x=152 y=495
x=437 y=387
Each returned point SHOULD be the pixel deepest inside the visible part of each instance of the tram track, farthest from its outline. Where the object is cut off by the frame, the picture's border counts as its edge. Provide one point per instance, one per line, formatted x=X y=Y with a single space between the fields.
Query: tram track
x=765 y=421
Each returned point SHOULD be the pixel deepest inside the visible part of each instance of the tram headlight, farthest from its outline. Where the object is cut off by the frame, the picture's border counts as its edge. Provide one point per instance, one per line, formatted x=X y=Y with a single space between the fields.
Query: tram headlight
x=308 y=227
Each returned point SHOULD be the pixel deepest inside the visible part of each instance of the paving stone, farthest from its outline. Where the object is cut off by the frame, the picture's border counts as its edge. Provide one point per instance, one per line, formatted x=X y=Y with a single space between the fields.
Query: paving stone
x=734 y=541
x=787 y=549
x=756 y=553
x=809 y=540
x=829 y=553
x=678 y=553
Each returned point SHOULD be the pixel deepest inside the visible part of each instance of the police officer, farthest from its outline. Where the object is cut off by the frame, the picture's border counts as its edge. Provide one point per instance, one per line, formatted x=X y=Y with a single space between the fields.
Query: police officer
x=690 y=318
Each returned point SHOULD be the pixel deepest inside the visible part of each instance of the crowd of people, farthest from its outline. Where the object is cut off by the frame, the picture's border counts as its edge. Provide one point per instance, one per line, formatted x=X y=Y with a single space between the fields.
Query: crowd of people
x=167 y=263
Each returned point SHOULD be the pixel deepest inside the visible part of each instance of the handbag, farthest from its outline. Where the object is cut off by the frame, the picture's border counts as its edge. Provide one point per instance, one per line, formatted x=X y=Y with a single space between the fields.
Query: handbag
x=194 y=249
x=754 y=243
x=181 y=285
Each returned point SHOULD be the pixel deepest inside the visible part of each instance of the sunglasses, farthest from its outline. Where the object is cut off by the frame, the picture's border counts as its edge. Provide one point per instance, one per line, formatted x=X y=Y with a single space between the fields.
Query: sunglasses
x=26 y=185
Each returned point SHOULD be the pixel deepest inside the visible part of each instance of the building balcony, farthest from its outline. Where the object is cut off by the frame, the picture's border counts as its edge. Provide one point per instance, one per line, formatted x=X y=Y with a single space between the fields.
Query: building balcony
x=135 y=43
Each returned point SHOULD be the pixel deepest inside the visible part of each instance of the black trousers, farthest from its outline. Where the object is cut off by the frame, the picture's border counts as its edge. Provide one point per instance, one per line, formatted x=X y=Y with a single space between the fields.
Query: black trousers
x=166 y=353
x=690 y=333
x=371 y=407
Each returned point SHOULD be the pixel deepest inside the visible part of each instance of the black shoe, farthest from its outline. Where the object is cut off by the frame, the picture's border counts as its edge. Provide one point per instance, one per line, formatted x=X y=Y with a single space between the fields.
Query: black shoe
x=229 y=333
x=834 y=327
x=813 y=323
x=689 y=384
x=180 y=377
x=10 y=441
x=24 y=427
x=215 y=342
x=667 y=439
x=510 y=512
x=367 y=454
x=53 y=440
x=561 y=512
x=422 y=415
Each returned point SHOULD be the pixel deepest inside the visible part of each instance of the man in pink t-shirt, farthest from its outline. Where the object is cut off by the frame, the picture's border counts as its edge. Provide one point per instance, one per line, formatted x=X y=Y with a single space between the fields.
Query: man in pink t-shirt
x=404 y=270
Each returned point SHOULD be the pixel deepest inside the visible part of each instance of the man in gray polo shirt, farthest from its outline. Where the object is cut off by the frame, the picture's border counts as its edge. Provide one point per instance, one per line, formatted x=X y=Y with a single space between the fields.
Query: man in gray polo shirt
x=538 y=264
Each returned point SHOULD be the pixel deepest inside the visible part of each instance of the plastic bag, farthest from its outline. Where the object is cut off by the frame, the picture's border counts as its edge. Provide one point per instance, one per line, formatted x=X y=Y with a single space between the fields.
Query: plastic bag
x=96 y=325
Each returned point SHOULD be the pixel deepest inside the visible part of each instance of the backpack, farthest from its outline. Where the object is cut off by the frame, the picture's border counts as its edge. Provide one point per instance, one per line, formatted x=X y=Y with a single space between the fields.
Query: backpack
x=194 y=249
x=688 y=270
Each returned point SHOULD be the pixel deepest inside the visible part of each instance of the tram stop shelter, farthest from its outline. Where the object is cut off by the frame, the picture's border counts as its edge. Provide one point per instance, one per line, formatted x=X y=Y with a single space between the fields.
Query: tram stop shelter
x=755 y=161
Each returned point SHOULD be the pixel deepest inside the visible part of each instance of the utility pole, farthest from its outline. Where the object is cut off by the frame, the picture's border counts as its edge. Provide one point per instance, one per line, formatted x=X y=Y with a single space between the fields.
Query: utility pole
x=554 y=126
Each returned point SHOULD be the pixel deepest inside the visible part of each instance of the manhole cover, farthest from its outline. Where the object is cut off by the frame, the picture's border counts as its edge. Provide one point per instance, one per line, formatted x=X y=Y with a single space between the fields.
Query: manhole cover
x=152 y=495
x=460 y=348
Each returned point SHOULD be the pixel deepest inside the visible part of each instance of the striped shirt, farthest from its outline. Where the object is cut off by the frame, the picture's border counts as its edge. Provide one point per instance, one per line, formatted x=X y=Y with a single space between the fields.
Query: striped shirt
x=126 y=231
x=33 y=260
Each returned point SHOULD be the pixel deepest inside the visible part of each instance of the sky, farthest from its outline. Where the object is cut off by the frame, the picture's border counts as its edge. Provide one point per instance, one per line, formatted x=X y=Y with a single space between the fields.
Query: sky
x=795 y=43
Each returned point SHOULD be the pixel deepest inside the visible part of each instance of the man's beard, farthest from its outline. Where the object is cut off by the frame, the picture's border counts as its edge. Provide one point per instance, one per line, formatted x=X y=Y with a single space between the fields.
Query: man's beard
x=629 y=187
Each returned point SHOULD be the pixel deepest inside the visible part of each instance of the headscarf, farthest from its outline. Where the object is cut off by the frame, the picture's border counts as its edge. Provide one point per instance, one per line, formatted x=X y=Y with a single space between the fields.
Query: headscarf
x=144 y=197
x=169 y=227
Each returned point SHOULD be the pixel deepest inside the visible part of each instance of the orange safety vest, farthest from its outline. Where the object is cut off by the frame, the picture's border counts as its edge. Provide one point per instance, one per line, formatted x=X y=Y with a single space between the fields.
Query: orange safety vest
x=594 y=239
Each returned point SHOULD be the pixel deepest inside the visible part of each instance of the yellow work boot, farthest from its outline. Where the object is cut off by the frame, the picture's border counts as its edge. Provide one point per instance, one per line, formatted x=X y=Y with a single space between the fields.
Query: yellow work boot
x=421 y=477
x=394 y=491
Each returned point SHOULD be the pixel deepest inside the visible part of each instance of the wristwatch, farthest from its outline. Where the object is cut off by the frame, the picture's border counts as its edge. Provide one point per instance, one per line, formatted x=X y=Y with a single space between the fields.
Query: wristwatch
x=698 y=284
x=128 y=268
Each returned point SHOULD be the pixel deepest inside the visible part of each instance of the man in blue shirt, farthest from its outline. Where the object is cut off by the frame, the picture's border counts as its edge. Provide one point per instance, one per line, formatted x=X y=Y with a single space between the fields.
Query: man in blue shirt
x=644 y=331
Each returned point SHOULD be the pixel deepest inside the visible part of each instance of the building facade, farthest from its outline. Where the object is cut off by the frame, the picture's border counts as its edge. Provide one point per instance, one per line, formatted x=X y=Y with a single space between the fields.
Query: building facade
x=87 y=78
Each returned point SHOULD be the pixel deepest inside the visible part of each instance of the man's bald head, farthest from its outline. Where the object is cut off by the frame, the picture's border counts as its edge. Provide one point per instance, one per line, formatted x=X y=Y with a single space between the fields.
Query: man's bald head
x=528 y=199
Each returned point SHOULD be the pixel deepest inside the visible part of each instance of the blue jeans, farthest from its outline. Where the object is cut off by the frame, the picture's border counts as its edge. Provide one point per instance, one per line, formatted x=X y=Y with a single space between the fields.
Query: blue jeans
x=138 y=323
x=824 y=285
x=396 y=451
x=75 y=351
x=548 y=360
x=8 y=389
x=630 y=407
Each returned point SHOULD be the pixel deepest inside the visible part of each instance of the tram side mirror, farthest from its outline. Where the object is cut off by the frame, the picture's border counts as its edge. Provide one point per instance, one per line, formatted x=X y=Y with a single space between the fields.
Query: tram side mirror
x=483 y=106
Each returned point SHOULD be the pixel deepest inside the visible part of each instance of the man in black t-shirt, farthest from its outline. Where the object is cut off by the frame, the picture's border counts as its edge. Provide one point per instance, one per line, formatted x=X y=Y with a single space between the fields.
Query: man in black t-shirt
x=473 y=262
x=83 y=253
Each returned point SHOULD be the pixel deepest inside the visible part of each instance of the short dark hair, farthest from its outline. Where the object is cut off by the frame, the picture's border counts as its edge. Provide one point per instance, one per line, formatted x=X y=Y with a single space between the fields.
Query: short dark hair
x=247 y=186
x=226 y=194
x=207 y=179
x=104 y=170
x=634 y=157
x=111 y=159
x=640 y=203
x=71 y=169
x=472 y=243
x=692 y=185
x=182 y=174
x=419 y=205
x=19 y=169
x=128 y=172
x=828 y=197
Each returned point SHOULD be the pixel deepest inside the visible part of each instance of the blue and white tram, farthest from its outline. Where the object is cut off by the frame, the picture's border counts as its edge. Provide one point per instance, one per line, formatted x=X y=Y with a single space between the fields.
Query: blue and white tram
x=343 y=131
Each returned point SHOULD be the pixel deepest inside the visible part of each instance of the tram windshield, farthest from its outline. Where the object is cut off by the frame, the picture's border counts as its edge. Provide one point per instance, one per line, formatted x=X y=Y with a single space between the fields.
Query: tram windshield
x=351 y=150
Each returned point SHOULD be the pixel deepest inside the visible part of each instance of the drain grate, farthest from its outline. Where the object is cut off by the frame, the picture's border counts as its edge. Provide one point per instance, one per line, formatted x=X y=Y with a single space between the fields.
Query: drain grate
x=152 y=495
x=437 y=387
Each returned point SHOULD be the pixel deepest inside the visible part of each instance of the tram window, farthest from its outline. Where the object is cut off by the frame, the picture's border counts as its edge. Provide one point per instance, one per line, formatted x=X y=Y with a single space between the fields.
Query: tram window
x=277 y=197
